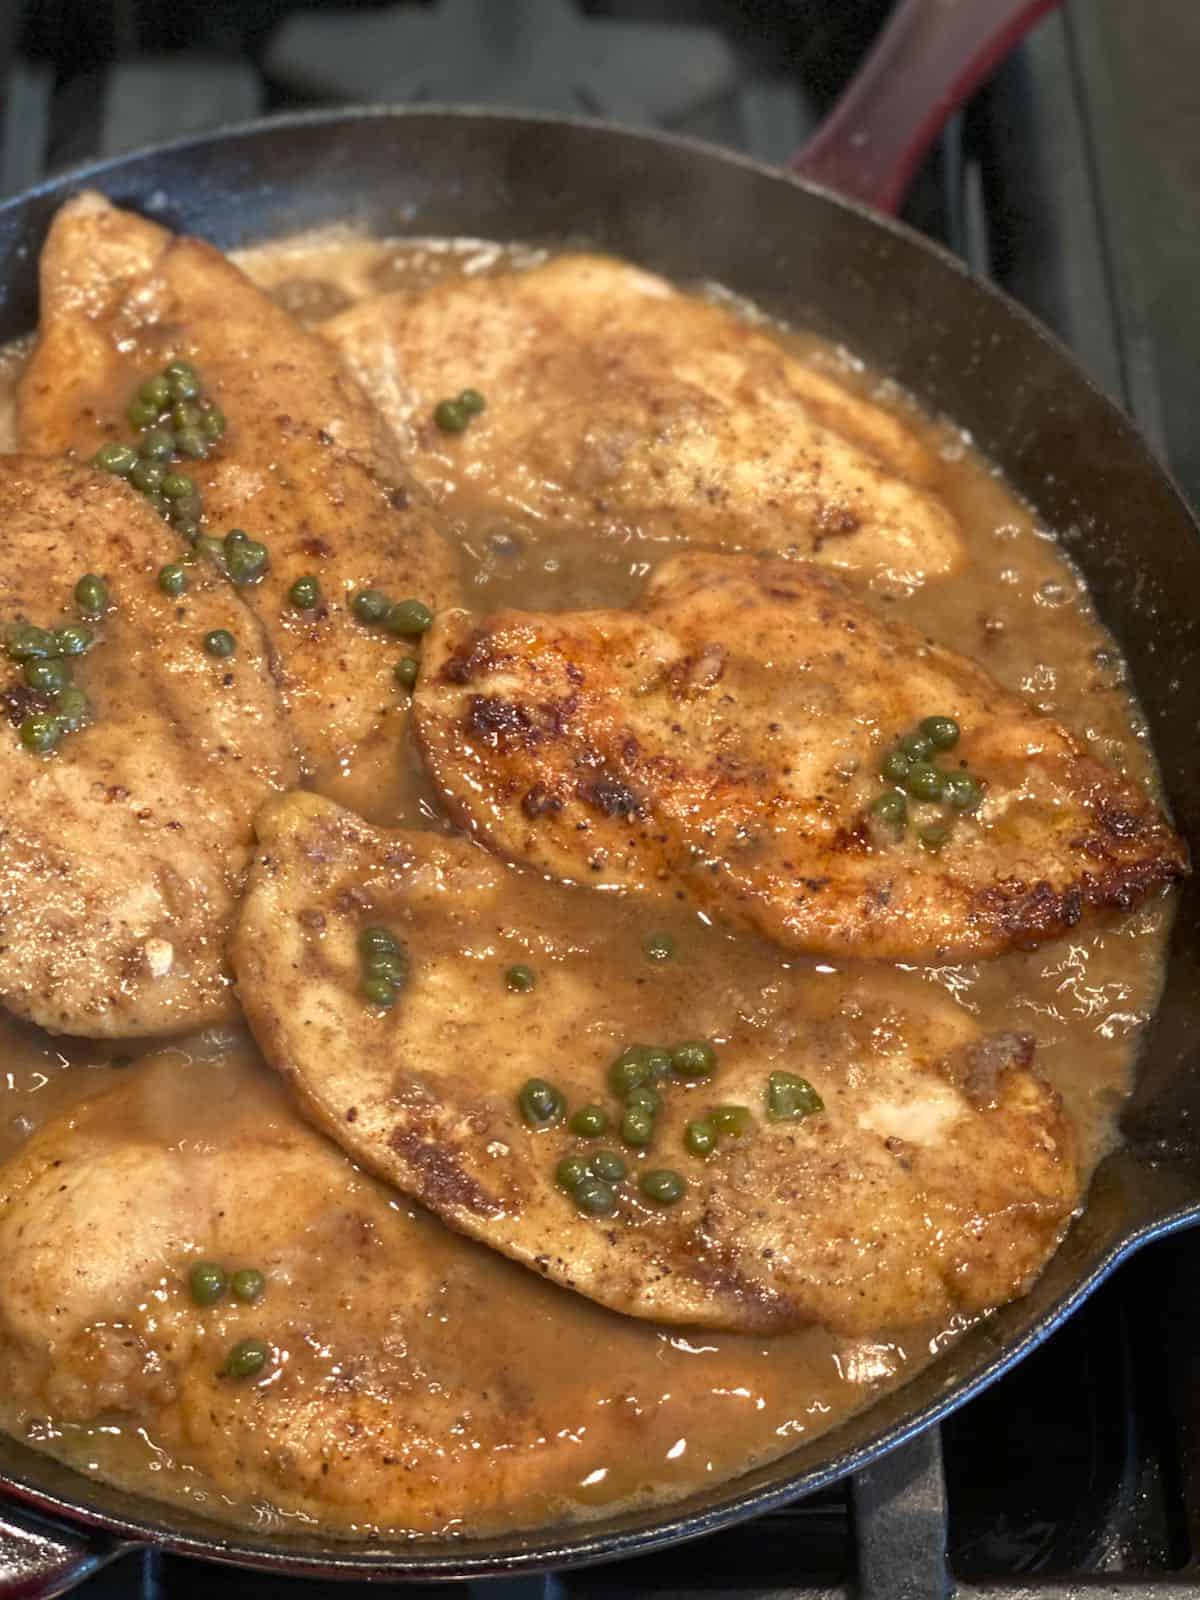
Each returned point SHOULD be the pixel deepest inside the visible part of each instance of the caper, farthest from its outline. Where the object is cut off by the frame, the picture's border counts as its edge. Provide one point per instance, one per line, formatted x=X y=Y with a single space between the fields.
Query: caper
x=700 y=1137
x=607 y=1164
x=25 y=642
x=916 y=746
x=148 y=476
x=91 y=596
x=142 y=413
x=305 y=593
x=206 y=1282
x=790 y=1097
x=519 y=979
x=370 y=605
x=176 y=485
x=472 y=402
x=156 y=391
x=894 y=766
x=184 y=415
x=570 y=1172
x=637 y=1126
x=629 y=1070
x=220 y=643
x=962 y=792
x=408 y=618
x=540 y=1103
x=182 y=379
x=246 y=1358
x=663 y=1186
x=890 y=806
x=71 y=708
x=733 y=1121
x=172 y=579
x=646 y=1097
x=76 y=639
x=192 y=443
x=595 y=1198
x=378 y=991
x=590 y=1122
x=48 y=676
x=212 y=423
x=156 y=444
x=374 y=941
x=924 y=781
x=40 y=733
x=246 y=561
x=942 y=732
x=405 y=671
x=116 y=458
x=658 y=1063
x=695 y=1058
x=451 y=416
x=247 y=1284
x=390 y=964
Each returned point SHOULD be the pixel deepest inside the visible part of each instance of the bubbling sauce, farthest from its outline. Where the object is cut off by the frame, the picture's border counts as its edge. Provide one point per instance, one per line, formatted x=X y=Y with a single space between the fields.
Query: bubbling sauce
x=675 y=1411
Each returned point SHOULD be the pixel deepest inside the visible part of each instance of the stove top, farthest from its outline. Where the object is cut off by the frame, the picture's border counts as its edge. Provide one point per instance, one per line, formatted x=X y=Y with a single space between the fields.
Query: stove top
x=1073 y=179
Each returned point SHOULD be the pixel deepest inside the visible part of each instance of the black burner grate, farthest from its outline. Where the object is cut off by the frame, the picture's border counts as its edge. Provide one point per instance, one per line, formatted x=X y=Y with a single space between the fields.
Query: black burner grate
x=1078 y=1474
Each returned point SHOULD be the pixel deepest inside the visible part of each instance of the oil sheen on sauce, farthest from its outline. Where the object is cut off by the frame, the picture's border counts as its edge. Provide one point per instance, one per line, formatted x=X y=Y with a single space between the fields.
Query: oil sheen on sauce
x=616 y=1411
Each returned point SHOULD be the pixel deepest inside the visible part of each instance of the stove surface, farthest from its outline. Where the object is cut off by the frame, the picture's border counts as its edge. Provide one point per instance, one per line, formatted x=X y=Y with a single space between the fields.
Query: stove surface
x=1073 y=179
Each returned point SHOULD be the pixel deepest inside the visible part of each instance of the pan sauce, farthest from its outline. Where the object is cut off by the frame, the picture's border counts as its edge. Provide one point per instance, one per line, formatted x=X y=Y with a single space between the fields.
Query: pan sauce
x=694 y=1409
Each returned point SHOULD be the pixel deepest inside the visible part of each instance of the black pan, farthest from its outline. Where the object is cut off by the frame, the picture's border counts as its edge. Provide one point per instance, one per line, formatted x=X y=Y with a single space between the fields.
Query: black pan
x=910 y=310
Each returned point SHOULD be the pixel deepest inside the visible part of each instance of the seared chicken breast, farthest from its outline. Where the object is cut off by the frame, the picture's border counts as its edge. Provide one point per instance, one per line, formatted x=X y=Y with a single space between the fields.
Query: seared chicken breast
x=878 y=1164
x=742 y=740
x=614 y=400
x=123 y=843
x=305 y=465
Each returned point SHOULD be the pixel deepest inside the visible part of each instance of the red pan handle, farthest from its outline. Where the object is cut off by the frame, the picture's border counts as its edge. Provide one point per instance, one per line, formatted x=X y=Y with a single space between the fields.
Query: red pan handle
x=924 y=64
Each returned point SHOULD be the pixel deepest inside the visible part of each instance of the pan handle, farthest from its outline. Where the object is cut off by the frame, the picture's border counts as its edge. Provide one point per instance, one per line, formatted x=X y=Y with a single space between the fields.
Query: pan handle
x=40 y=1559
x=925 y=63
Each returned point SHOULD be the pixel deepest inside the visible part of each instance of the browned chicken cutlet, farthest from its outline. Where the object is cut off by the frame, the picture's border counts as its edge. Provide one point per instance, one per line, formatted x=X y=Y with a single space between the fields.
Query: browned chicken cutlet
x=363 y=1415
x=122 y=851
x=615 y=400
x=727 y=741
x=936 y=1178
x=305 y=465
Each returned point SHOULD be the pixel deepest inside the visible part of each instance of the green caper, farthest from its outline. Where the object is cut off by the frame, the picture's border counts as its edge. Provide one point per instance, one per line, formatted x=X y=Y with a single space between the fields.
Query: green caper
x=472 y=402
x=371 y=605
x=659 y=947
x=377 y=941
x=519 y=979
x=40 y=733
x=570 y=1172
x=916 y=746
x=91 y=596
x=148 y=476
x=894 y=766
x=390 y=964
x=185 y=415
x=246 y=561
x=212 y=424
x=214 y=549
x=236 y=536
x=790 y=1098
x=942 y=732
x=408 y=618
x=962 y=792
x=607 y=1164
x=645 y=1097
x=406 y=670
x=247 y=1284
x=176 y=486
x=142 y=413
x=378 y=991
x=934 y=835
x=206 y=1282
x=695 y=1058
x=540 y=1103
x=192 y=443
x=451 y=416
x=173 y=579
x=116 y=458
x=305 y=593
x=71 y=707
x=246 y=1358
x=220 y=643
x=48 y=676
x=25 y=642
x=155 y=391
x=658 y=1063
x=160 y=503
x=590 y=1122
x=733 y=1121
x=156 y=444
x=664 y=1186
x=924 y=781
x=637 y=1126
x=700 y=1137
x=595 y=1198
x=890 y=806
x=629 y=1070
x=76 y=639
x=182 y=380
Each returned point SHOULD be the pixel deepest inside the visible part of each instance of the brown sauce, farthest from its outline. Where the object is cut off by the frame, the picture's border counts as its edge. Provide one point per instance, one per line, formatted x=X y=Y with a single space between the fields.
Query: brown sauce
x=694 y=1409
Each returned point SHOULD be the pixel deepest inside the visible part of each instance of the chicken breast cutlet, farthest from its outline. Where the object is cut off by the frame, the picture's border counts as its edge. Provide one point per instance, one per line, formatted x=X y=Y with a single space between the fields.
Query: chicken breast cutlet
x=613 y=399
x=871 y=1164
x=361 y=1414
x=125 y=818
x=748 y=739
x=305 y=464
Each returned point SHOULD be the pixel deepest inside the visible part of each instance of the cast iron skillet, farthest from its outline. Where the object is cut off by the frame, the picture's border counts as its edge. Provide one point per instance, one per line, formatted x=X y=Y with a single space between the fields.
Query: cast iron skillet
x=910 y=310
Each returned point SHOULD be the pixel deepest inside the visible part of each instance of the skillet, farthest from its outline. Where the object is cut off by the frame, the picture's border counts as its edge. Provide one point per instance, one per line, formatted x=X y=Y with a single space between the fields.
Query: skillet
x=913 y=312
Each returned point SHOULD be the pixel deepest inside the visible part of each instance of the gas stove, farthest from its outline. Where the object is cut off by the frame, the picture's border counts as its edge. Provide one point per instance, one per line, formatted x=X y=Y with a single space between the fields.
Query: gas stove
x=1073 y=179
